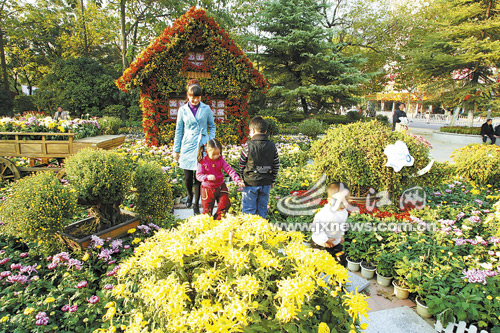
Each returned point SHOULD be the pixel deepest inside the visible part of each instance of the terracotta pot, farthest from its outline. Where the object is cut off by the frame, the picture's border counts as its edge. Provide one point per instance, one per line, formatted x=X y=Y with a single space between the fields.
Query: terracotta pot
x=401 y=293
x=352 y=265
x=383 y=280
x=113 y=232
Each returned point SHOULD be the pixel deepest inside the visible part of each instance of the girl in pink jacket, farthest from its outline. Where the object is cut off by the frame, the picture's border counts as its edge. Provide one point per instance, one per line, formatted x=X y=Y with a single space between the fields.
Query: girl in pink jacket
x=209 y=173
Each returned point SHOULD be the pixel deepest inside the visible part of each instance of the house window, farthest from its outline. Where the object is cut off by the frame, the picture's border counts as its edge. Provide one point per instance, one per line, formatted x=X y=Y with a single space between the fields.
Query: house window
x=196 y=58
x=174 y=106
x=218 y=107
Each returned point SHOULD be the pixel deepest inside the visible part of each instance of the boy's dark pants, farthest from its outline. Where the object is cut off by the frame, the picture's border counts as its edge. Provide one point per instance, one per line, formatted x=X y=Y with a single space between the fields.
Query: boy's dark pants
x=210 y=195
x=336 y=252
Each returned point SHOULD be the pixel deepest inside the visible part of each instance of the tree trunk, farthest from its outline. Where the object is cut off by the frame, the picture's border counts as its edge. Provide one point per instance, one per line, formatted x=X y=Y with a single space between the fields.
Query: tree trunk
x=106 y=216
x=304 y=105
x=85 y=43
x=455 y=116
x=124 y=35
x=4 y=63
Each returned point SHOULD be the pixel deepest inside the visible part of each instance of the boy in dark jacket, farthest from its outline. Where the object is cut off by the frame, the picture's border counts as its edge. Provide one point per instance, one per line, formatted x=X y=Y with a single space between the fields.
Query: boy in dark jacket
x=259 y=165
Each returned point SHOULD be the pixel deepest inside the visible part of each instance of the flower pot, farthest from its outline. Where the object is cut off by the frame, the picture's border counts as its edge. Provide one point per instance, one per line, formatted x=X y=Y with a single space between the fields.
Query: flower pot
x=383 y=281
x=353 y=266
x=177 y=201
x=422 y=310
x=367 y=270
x=401 y=293
x=80 y=243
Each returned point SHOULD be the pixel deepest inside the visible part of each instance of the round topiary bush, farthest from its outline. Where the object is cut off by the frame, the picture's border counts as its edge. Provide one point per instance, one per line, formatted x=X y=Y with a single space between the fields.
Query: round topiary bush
x=273 y=126
x=154 y=192
x=101 y=179
x=311 y=127
x=354 y=154
x=110 y=125
x=479 y=163
x=37 y=208
x=228 y=275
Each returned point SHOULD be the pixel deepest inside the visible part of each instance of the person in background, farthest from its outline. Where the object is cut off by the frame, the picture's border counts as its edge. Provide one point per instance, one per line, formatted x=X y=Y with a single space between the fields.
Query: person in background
x=209 y=173
x=487 y=131
x=259 y=165
x=60 y=114
x=195 y=126
x=399 y=113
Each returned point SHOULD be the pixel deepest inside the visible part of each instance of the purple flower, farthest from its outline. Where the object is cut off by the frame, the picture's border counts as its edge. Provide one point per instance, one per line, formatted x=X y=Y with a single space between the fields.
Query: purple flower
x=41 y=319
x=23 y=255
x=65 y=308
x=93 y=299
x=116 y=244
x=448 y=191
x=61 y=257
x=437 y=193
x=95 y=241
x=144 y=228
x=108 y=286
x=4 y=261
x=460 y=216
x=73 y=308
x=153 y=226
x=460 y=241
x=474 y=219
x=494 y=240
x=454 y=202
x=126 y=247
x=52 y=266
x=81 y=284
x=74 y=263
x=28 y=269
x=15 y=266
x=22 y=279
x=479 y=202
x=477 y=275
x=5 y=274
x=105 y=254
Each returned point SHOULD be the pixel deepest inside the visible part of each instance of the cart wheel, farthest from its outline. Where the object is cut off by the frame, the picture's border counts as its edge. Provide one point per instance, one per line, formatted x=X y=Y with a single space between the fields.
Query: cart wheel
x=61 y=174
x=8 y=170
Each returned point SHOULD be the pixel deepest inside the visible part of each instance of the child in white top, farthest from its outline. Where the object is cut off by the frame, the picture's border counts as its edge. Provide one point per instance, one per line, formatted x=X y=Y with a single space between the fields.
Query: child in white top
x=329 y=223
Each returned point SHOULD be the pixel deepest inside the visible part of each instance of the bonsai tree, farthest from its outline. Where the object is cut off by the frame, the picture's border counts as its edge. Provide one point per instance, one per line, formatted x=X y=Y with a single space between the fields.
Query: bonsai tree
x=101 y=179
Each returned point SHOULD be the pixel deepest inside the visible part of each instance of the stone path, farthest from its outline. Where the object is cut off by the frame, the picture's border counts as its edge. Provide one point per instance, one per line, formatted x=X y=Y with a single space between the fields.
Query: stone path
x=398 y=320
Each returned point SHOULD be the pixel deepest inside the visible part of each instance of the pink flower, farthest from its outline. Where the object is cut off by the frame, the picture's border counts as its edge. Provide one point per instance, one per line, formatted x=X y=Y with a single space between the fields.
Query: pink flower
x=52 y=266
x=126 y=247
x=111 y=273
x=5 y=274
x=23 y=255
x=73 y=308
x=49 y=258
x=81 y=284
x=65 y=308
x=15 y=266
x=108 y=286
x=4 y=261
x=93 y=299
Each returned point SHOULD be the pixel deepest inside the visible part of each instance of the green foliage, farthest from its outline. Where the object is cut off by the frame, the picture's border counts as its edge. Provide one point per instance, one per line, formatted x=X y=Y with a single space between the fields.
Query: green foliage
x=98 y=175
x=382 y=119
x=23 y=103
x=311 y=127
x=153 y=191
x=116 y=110
x=461 y=130
x=38 y=207
x=385 y=264
x=354 y=154
x=135 y=113
x=6 y=103
x=82 y=85
x=478 y=163
x=354 y=116
x=273 y=126
x=110 y=125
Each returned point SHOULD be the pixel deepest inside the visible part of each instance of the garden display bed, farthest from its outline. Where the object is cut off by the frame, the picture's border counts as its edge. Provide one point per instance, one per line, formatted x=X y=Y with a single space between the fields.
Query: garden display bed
x=77 y=239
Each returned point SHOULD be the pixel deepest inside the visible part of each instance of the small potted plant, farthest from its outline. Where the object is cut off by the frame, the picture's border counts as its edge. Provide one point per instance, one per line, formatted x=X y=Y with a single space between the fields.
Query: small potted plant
x=423 y=290
x=385 y=269
x=353 y=255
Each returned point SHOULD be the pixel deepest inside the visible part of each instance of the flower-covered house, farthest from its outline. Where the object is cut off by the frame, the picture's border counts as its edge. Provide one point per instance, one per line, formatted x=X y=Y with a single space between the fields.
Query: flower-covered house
x=195 y=46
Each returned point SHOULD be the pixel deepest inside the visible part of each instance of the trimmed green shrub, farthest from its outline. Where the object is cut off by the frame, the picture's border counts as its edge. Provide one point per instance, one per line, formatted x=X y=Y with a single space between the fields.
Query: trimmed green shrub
x=6 y=103
x=101 y=179
x=38 y=206
x=382 y=119
x=354 y=116
x=110 y=125
x=23 y=103
x=273 y=128
x=333 y=119
x=154 y=192
x=311 y=127
x=478 y=163
x=354 y=154
x=461 y=130
x=135 y=113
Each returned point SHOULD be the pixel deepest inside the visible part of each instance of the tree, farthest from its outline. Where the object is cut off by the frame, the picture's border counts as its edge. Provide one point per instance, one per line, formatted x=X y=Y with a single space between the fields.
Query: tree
x=302 y=63
x=459 y=56
x=81 y=85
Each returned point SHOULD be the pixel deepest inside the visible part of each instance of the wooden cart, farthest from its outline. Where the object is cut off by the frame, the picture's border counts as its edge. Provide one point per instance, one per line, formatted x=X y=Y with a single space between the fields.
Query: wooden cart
x=20 y=144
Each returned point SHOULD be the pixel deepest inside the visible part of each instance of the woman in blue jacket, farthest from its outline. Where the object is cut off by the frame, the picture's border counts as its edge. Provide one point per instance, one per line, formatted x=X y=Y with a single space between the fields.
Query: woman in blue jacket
x=195 y=126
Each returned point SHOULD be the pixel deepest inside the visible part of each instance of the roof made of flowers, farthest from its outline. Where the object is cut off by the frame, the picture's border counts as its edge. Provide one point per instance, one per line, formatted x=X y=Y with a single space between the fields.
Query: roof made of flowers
x=187 y=28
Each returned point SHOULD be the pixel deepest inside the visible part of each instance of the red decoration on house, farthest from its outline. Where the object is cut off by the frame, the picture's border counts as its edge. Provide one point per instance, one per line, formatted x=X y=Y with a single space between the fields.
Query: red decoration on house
x=195 y=46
